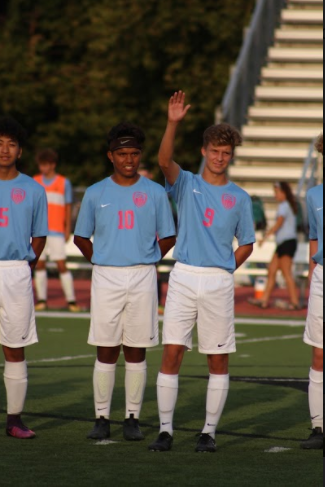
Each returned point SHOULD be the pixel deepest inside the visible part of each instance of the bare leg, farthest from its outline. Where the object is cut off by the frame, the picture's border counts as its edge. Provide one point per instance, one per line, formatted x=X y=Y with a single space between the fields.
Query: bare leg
x=271 y=282
x=286 y=268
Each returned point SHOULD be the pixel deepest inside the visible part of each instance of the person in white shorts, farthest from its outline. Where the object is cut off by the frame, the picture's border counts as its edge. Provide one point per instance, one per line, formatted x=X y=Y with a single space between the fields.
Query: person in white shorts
x=60 y=197
x=212 y=211
x=133 y=229
x=23 y=231
x=314 y=333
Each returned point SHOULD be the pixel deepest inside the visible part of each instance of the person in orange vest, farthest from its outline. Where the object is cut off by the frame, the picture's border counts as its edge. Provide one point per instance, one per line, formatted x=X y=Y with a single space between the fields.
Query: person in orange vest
x=59 y=195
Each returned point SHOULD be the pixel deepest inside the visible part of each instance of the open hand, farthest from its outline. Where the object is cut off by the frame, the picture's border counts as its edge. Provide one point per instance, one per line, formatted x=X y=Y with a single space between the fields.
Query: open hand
x=177 y=109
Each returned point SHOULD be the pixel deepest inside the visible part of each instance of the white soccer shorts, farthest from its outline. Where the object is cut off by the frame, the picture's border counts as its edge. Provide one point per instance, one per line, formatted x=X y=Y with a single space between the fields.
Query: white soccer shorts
x=124 y=307
x=314 y=333
x=54 y=249
x=17 y=313
x=205 y=296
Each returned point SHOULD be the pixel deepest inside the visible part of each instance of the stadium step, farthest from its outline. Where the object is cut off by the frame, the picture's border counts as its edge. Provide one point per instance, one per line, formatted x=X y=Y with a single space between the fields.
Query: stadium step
x=312 y=115
x=302 y=16
x=299 y=75
x=253 y=132
x=287 y=94
x=294 y=55
x=255 y=173
x=299 y=36
x=282 y=154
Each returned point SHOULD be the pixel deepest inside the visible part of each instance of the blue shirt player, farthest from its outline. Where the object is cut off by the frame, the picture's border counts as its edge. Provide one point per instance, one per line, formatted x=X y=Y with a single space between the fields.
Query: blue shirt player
x=23 y=231
x=212 y=212
x=132 y=226
x=314 y=333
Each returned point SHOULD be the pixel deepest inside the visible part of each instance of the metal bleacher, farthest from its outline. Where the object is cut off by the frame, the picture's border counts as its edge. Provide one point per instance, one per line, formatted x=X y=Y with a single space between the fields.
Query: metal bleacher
x=284 y=109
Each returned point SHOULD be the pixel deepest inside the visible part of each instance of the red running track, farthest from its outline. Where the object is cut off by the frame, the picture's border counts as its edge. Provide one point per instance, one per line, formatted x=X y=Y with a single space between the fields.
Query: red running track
x=243 y=308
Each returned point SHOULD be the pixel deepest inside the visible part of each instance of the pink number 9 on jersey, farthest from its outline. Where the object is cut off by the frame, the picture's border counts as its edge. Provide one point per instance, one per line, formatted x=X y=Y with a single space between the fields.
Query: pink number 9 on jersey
x=209 y=215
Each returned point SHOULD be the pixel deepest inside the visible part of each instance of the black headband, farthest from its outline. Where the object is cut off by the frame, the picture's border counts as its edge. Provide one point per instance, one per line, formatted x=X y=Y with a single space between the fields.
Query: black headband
x=125 y=142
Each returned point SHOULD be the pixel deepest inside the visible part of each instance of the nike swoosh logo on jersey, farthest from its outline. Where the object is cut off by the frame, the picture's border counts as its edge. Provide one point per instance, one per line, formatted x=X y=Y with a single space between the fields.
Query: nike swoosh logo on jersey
x=196 y=191
x=104 y=206
x=320 y=209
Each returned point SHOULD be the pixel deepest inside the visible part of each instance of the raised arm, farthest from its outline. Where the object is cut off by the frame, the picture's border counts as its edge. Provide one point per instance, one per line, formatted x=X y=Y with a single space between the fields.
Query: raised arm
x=176 y=113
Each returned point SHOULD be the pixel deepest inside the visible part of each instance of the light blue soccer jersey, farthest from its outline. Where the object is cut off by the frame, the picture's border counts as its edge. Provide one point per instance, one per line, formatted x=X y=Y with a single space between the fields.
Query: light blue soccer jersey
x=126 y=222
x=315 y=205
x=209 y=219
x=23 y=214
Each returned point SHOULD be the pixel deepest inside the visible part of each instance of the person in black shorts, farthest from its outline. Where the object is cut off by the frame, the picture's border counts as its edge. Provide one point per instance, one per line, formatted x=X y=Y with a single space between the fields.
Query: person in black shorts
x=285 y=231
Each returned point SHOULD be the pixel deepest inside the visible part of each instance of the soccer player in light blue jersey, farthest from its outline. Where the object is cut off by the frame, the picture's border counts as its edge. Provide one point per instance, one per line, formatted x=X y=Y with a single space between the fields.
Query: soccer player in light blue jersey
x=212 y=212
x=314 y=333
x=23 y=231
x=133 y=228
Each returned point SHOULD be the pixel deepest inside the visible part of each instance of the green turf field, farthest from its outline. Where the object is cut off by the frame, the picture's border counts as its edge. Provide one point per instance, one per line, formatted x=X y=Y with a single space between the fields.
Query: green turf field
x=261 y=414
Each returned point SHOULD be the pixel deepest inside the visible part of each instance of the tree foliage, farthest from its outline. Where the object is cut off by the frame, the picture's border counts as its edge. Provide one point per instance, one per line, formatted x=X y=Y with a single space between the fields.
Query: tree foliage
x=71 y=70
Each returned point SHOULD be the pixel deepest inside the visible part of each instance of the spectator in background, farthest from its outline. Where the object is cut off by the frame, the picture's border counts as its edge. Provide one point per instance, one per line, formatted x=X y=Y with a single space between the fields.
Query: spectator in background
x=259 y=214
x=285 y=230
x=59 y=195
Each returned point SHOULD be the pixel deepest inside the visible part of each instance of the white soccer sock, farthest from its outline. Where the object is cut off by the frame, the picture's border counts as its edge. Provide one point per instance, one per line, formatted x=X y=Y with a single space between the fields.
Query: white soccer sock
x=167 y=390
x=218 y=389
x=104 y=382
x=16 y=382
x=316 y=398
x=41 y=285
x=135 y=385
x=67 y=286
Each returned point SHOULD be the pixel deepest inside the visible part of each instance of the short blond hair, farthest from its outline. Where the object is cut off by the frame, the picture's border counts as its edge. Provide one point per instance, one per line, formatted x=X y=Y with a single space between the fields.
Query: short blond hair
x=319 y=146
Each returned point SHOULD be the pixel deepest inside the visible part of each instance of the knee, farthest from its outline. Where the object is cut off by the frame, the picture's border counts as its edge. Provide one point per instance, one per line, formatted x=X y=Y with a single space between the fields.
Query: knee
x=218 y=364
x=318 y=360
x=172 y=360
x=62 y=267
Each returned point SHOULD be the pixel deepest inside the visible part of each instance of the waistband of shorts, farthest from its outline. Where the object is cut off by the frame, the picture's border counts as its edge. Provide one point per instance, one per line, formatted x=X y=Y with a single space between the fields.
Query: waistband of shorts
x=13 y=263
x=320 y=267
x=126 y=269
x=201 y=270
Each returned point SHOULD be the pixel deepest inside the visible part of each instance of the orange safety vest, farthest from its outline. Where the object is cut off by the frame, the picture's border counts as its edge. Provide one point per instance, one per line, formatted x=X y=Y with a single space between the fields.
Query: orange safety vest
x=55 y=193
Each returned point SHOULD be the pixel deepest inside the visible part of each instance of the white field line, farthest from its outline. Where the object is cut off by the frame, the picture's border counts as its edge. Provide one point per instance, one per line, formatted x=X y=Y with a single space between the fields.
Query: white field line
x=160 y=349
x=238 y=321
x=269 y=339
x=277 y=449
x=270 y=379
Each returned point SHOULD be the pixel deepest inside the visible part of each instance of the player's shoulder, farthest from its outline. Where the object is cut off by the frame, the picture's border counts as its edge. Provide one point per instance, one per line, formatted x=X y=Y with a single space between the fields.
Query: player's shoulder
x=30 y=183
x=315 y=191
x=152 y=186
x=97 y=188
x=239 y=192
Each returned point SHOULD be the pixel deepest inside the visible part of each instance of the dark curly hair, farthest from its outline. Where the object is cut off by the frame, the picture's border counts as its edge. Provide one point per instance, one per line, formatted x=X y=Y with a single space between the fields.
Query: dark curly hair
x=126 y=129
x=320 y=144
x=222 y=134
x=9 y=127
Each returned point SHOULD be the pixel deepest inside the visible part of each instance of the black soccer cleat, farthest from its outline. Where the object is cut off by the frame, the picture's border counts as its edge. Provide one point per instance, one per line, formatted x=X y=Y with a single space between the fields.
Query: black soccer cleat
x=101 y=430
x=206 y=444
x=315 y=441
x=131 y=430
x=163 y=443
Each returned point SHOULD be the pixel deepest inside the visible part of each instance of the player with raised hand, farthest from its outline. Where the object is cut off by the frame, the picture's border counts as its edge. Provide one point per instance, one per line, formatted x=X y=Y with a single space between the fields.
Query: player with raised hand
x=212 y=211
x=23 y=231
x=133 y=229
x=314 y=334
